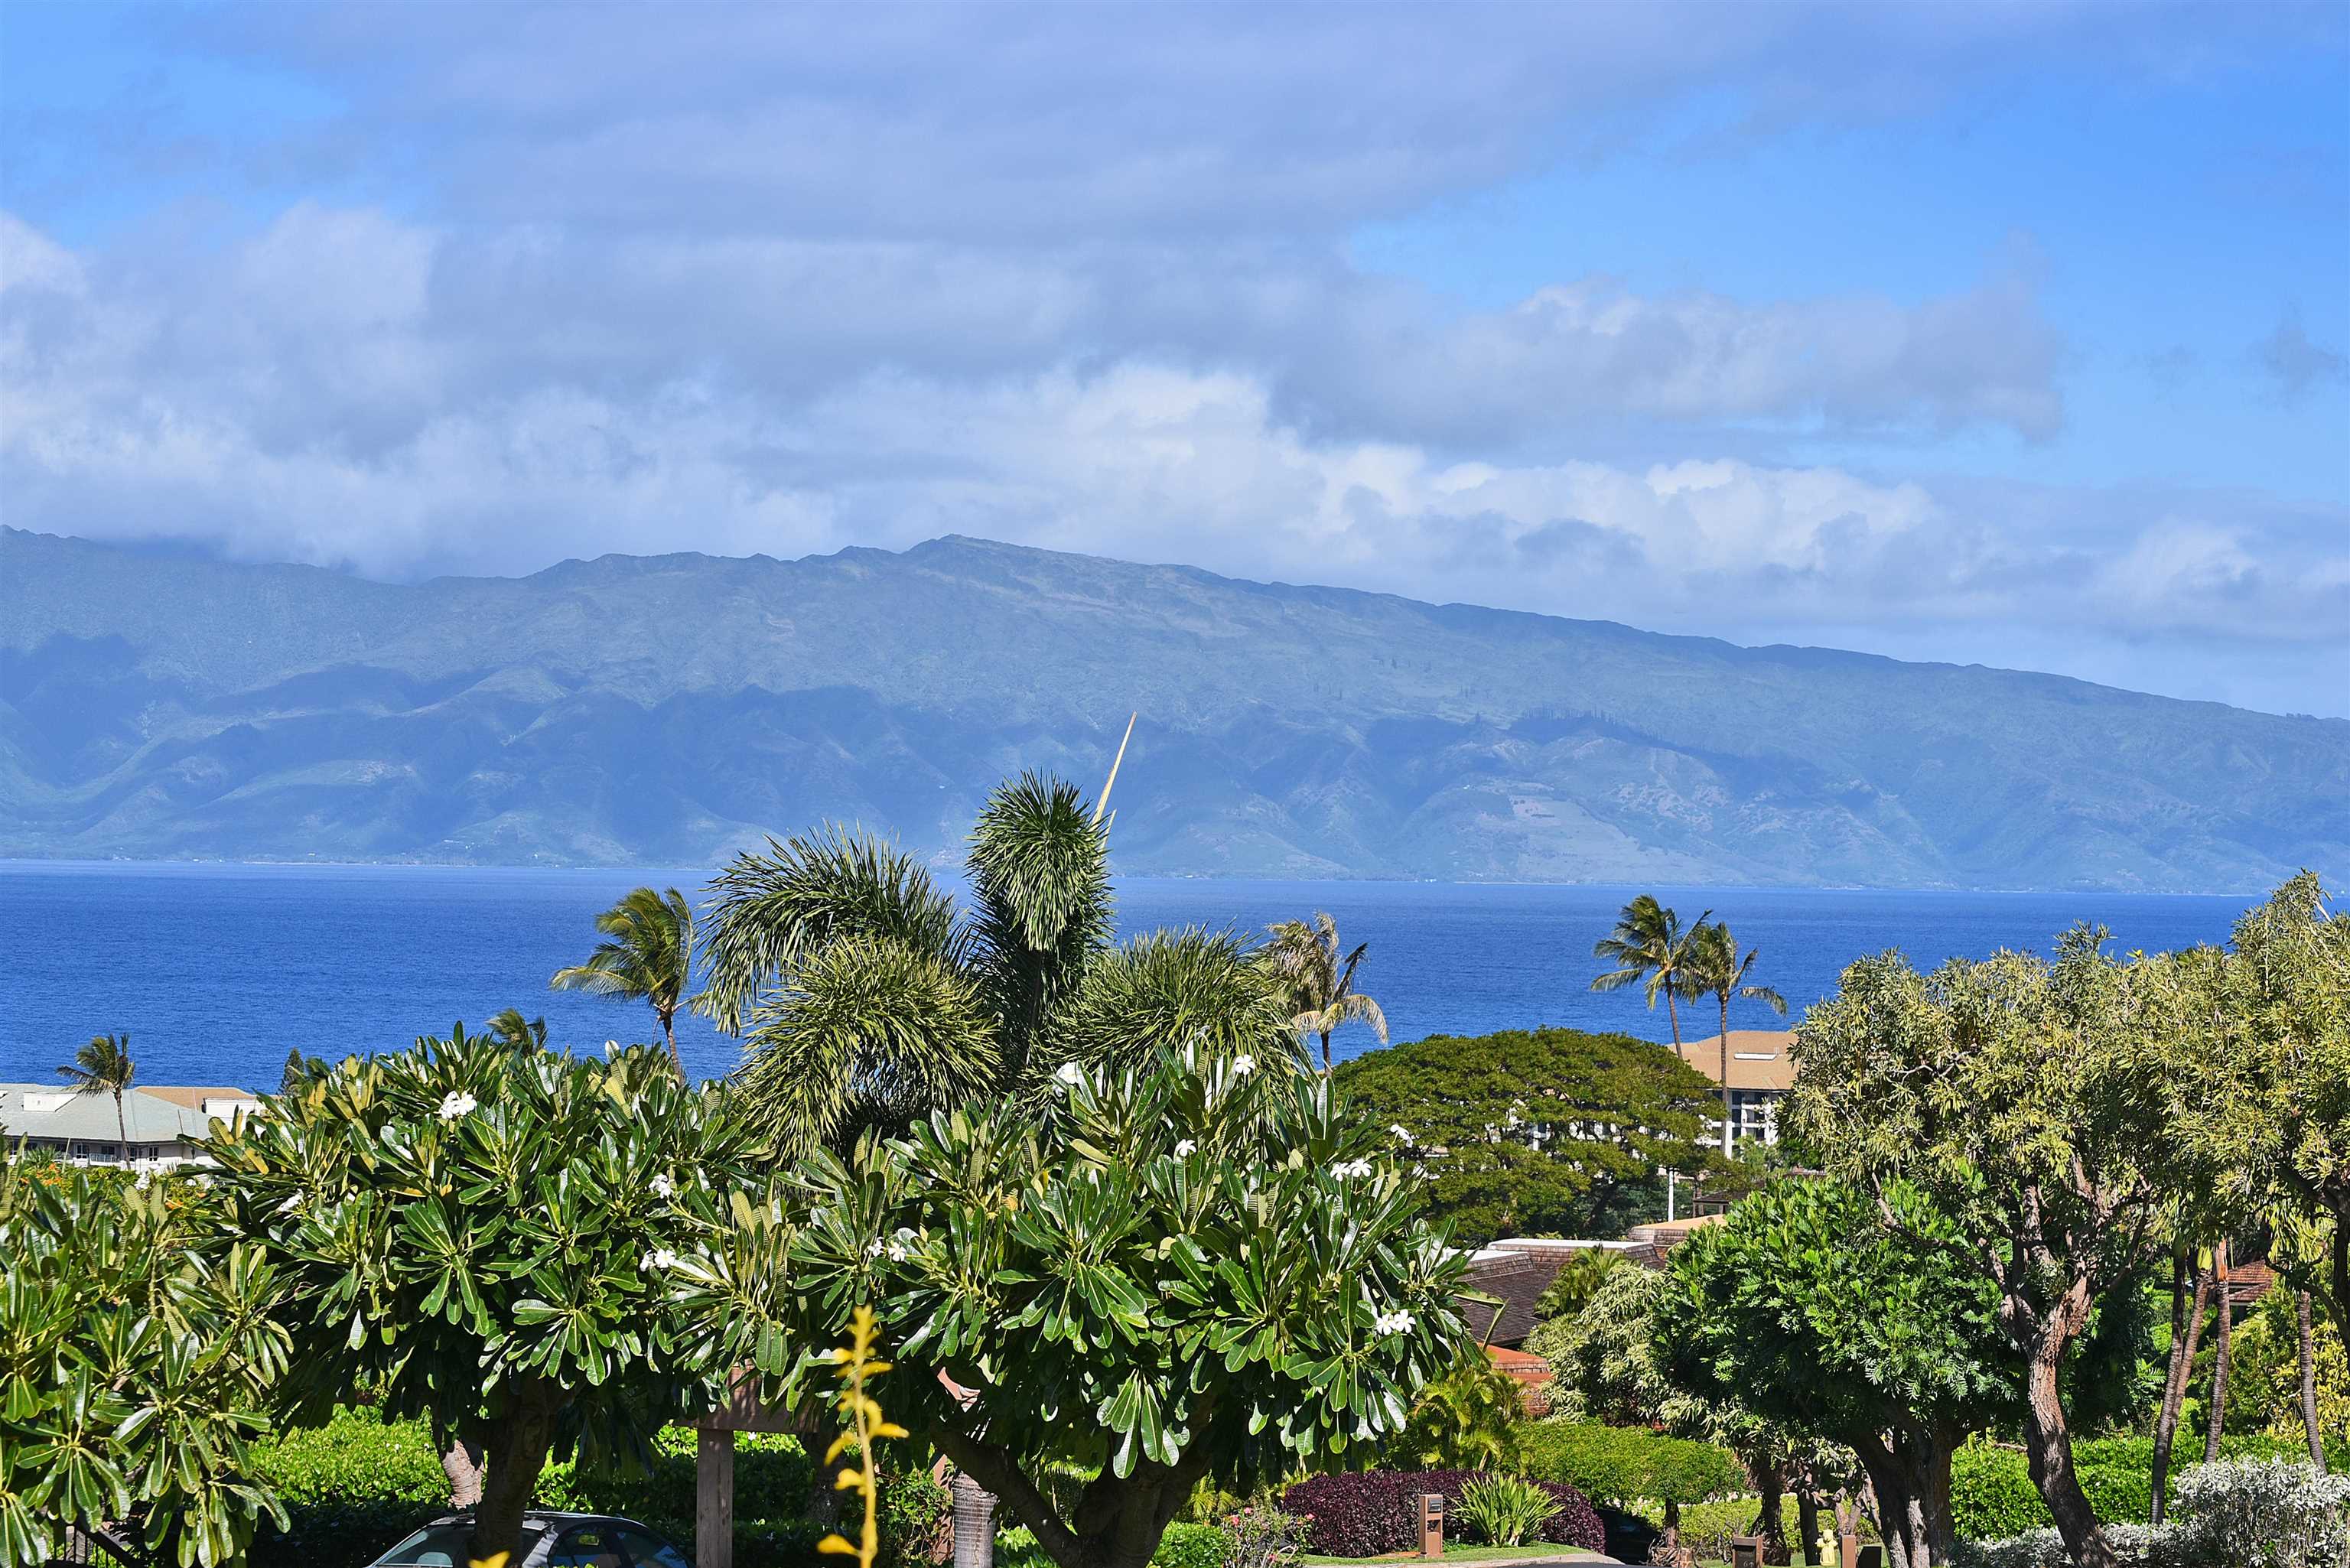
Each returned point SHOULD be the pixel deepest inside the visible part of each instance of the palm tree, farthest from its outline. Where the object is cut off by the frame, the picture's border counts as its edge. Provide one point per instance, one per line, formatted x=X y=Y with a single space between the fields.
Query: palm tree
x=1649 y=946
x=1713 y=965
x=104 y=1067
x=867 y=999
x=649 y=956
x=1317 y=980
x=513 y=1029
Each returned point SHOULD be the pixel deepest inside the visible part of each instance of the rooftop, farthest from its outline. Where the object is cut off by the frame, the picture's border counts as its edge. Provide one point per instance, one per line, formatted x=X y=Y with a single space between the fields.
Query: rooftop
x=162 y=1112
x=1759 y=1058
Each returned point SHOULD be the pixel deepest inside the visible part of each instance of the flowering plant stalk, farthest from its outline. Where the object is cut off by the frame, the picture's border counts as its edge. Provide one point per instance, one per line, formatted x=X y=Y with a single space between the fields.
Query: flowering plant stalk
x=867 y=1426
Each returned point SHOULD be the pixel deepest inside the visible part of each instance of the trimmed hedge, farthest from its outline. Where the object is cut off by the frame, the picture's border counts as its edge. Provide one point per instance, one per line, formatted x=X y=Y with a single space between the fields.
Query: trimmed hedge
x=1368 y=1513
x=1622 y=1465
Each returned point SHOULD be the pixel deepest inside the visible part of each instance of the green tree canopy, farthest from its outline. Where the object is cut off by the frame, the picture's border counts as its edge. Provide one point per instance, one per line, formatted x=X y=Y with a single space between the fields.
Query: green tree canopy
x=1203 y=1269
x=484 y=1234
x=869 y=1000
x=1535 y=1131
x=135 y=1365
x=2031 y=1103
x=1808 y=1310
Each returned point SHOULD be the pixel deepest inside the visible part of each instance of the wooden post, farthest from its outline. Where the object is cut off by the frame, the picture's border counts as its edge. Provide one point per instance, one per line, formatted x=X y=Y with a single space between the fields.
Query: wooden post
x=713 y=1500
x=1432 y=1524
x=974 y=1523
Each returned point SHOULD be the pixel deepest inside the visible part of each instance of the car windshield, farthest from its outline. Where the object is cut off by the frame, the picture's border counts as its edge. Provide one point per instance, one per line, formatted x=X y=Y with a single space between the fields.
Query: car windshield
x=441 y=1546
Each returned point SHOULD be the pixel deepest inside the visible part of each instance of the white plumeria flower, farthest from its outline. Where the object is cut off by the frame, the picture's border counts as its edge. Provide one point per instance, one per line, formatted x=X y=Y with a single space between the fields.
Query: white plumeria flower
x=873 y=1247
x=144 y=1177
x=661 y=1260
x=1242 y=1065
x=1346 y=1169
x=1393 y=1323
x=663 y=1187
x=1403 y=1134
x=1185 y=1149
x=1069 y=1072
x=456 y=1103
x=897 y=1250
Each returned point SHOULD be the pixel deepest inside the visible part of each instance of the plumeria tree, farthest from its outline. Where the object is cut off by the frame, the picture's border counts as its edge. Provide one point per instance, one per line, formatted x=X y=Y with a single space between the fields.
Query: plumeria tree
x=135 y=1367
x=1203 y=1268
x=481 y=1232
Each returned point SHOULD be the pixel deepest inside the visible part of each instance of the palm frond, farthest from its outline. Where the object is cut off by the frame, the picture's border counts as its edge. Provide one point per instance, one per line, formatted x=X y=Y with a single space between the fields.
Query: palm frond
x=1040 y=879
x=773 y=913
x=868 y=1031
x=1165 y=991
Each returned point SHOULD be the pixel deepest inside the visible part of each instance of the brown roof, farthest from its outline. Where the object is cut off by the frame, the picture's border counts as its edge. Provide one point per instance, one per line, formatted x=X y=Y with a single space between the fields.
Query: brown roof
x=1518 y=1280
x=1759 y=1058
x=193 y=1097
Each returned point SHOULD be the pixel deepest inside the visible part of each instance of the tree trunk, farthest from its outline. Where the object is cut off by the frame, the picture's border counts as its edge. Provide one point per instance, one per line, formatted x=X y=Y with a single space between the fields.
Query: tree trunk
x=462 y=1462
x=2183 y=1340
x=518 y=1453
x=2309 y=1383
x=2048 y=1441
x=2219 y=1359
x=122 y=1128
x=1889 y=1493
x=668 y=1032
x=1326 y=1053
x=1771 y=1518
x=1117 y=1522
x=1673 y=1011
x=1807 y=1512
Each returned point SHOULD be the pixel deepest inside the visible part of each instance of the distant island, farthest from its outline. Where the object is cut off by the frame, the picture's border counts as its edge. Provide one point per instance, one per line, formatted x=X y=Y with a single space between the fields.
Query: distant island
x=668 y=709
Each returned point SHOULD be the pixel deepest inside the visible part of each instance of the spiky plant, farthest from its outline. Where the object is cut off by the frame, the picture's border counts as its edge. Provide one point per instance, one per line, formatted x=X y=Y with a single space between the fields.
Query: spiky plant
x=1317 y=980
x=648 y=955
x=867 y=999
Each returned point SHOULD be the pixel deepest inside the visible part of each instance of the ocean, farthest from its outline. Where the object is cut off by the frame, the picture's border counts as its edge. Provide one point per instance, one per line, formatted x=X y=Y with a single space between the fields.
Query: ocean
x=216 y=971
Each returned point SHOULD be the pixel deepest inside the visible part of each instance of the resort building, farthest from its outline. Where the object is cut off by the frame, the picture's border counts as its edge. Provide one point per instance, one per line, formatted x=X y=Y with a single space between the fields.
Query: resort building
x=162 y=1121
x=1761 y=1071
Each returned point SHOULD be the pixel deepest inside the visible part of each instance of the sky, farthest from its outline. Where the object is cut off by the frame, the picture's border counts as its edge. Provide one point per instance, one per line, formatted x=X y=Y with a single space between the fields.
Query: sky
x=2015 y=335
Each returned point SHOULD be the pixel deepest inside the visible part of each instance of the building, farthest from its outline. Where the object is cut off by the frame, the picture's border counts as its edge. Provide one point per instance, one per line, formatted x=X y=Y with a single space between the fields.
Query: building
x=1761 y=1071
x=163 y=1121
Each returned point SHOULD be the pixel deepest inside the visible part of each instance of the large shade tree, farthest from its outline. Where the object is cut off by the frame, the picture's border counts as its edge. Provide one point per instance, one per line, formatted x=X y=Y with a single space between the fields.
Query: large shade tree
x=2030 y=1102
x=1536 y=1130
x=137 y=1364
x=1198 y=1269
x=1810 y=1311
x=482 y=1234
x=647 y=955
x=868 y=1000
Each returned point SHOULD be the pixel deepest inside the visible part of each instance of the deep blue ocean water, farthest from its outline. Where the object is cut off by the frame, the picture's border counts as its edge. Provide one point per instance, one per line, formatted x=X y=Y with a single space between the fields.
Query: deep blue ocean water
x=216 y=971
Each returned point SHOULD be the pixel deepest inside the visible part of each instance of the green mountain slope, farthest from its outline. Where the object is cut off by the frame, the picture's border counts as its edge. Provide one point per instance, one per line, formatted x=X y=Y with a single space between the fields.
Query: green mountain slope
x=663 y=710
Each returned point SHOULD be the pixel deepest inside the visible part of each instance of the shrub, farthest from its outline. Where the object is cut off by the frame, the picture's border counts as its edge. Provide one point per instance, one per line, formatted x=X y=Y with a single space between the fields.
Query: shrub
x=1370 y=1512
x=1264 y=1538
x=1192 y=1546
x=2297 y=1517
x=1505 y=1510
x=1993 y=1498
x=1624 y=1464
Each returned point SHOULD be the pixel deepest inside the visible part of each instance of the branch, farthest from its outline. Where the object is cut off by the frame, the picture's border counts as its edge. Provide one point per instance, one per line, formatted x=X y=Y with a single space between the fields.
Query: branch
x=995 y=1468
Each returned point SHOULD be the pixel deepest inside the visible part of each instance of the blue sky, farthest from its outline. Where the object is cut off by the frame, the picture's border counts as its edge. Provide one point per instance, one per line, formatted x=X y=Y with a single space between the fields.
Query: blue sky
x=2012 y=335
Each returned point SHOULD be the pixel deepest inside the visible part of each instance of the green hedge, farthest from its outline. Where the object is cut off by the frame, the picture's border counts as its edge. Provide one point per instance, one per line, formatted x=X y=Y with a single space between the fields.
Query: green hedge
x=1183 y=1546
x=1620 y=1465
x=1992 y=1496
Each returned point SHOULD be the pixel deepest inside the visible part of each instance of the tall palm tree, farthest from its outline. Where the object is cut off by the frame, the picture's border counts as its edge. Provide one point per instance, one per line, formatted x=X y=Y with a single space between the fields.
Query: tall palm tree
x=104 y=1067
x=1713 y=965
x=1648 y=947
x=648 y=956
x=866 y=998
x=1317 y=980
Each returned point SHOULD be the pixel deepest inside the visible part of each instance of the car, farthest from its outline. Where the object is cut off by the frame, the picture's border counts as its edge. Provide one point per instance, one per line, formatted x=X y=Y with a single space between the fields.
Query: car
x=550 y=1540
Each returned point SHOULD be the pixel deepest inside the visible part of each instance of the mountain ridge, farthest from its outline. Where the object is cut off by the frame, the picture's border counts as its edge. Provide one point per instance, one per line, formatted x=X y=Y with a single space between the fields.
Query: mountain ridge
x=667 y=709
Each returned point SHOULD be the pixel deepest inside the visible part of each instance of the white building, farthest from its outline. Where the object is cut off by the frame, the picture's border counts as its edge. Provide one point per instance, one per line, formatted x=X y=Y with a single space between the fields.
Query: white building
x=79 y=1126
x=1761 y=1071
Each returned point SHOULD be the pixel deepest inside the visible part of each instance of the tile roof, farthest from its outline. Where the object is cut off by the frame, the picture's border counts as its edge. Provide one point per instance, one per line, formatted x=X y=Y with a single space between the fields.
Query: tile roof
x=1759 y=1058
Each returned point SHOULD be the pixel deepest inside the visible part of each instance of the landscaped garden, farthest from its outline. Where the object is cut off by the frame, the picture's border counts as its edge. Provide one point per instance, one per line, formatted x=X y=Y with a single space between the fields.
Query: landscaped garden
x=1156 y=1282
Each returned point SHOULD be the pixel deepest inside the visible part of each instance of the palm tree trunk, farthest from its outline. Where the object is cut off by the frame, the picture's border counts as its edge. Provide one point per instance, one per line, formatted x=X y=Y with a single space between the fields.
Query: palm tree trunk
x=2219 y=1360
x=120 y=1126
x=2183 y=1338
x=1673 y=1011
x=2309 y=1383
x=1326 y=1053
x=668 y=1032
x=1725 y=1075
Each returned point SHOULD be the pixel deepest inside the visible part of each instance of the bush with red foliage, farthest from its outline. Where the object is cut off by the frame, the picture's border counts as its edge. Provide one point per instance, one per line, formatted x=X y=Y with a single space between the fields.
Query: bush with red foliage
x=1370 y=1513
